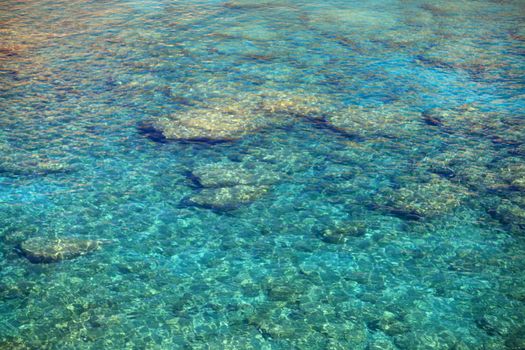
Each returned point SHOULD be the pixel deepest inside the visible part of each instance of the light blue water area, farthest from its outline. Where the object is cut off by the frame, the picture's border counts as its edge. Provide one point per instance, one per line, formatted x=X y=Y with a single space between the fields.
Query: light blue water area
x=267 y=174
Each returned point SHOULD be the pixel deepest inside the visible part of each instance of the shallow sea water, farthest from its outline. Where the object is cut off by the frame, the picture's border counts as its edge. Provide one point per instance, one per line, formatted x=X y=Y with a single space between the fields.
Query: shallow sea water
x=387 y=208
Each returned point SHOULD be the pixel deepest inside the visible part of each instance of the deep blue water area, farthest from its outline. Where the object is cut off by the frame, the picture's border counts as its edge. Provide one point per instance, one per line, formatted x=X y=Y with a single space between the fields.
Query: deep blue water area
x=269 y=174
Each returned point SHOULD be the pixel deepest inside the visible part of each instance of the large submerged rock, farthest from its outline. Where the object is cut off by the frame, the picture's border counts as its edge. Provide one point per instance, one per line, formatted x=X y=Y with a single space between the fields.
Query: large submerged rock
x=210 y=124
x=232 y=119
x=227 y=186
x=345 y=19
x=302 y=105
x=32 y=167
x=469 y=121
x=465 y=119
x=15 y=162
x=511 y=213
x=422 y=200
x=227 y=198
x=50 y=250
x=461 y=54
x=232 y=174
x=514 y=175
x=391 y=121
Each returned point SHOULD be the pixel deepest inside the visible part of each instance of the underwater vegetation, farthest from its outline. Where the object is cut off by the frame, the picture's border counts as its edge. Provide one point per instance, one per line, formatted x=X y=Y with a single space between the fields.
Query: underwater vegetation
x=271 y=174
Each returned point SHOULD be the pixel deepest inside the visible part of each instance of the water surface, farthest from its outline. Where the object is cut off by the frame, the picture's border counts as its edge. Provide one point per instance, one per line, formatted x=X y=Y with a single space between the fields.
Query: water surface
x=371 y=195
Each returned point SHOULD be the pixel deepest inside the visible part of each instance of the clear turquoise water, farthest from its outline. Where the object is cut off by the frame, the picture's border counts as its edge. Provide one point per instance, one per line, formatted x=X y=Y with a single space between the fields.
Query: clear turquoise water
x=438 y=198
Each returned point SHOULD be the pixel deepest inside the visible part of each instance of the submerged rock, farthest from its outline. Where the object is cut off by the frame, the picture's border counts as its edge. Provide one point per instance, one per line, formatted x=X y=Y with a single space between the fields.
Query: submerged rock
x=232 y=119
x=495 y=324
x=422 y=200
x=331 y=18
x=511 y=214
x=49 y=250
x=518 y=150
x=379 y=342
x=390 y=323
x=514 y=175
x=34 y=168
x=281 y=289
x=391 y=121
x=227 y=198
x=342 y=232
x=251 y=5
x=516 y=340
x=21 y=289
x=209 y=124
x=479 y=178
x=469 y=121
x=478 y=168
x=469 y=166
x=422 y=339
x=301 y=105
x=474 y=58
x=227 y=175
x=15 y=343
